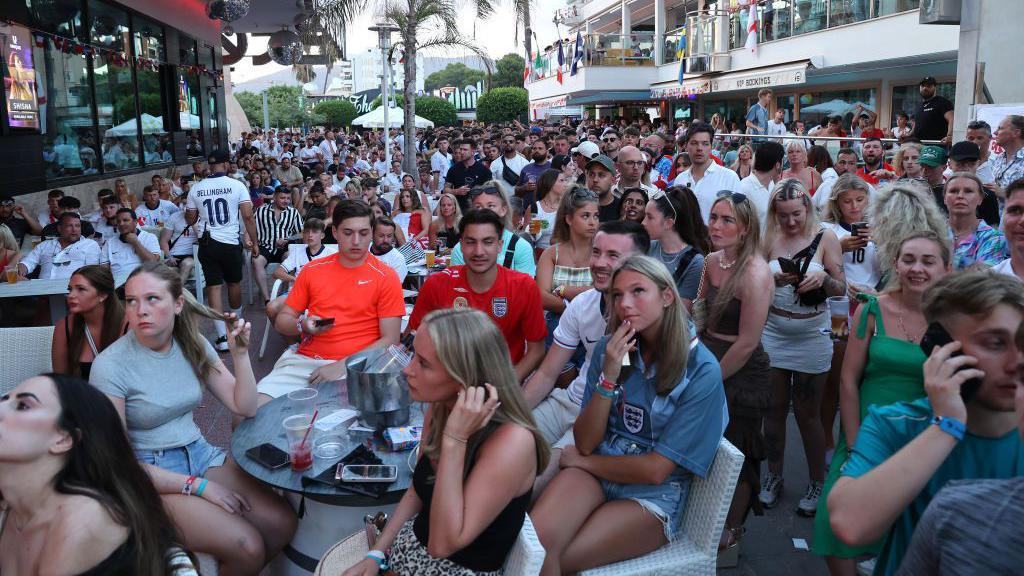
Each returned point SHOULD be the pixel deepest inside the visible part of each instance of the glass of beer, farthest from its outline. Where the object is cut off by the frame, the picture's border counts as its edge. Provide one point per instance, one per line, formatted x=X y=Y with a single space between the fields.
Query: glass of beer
x=12 y=274
x=839 y=310
x=430 y=256
x=535 y=226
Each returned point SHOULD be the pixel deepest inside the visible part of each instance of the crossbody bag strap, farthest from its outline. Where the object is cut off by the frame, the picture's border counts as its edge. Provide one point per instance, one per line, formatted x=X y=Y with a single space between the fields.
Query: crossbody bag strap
x=510 y=253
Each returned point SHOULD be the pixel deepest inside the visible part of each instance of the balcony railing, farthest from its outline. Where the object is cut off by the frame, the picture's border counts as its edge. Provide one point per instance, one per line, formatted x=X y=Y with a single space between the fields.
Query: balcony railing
x=778 y=19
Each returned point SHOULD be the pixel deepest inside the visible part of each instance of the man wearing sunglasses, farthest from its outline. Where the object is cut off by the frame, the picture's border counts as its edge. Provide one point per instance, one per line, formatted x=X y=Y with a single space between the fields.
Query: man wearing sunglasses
x=610 y=142
x=61 y=256
x=511 y=299
x=507 y=167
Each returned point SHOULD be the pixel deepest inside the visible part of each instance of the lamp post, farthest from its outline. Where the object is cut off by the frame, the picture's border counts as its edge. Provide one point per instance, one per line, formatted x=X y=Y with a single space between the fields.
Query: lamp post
x=384 y=31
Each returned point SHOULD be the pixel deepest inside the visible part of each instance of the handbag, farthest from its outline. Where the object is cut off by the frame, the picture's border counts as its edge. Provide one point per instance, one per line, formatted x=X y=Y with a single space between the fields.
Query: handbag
x=699 y=306
x=817 y=296
x=507 y=174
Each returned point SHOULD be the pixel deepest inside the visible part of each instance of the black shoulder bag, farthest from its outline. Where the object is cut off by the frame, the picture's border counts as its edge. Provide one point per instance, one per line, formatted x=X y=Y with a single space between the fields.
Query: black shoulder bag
x=817 y=296
x=507 y=174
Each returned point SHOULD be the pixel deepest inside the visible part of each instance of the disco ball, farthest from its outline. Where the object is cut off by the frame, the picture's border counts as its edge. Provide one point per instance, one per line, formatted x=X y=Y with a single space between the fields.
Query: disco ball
x=285 y=48
x=227 y=10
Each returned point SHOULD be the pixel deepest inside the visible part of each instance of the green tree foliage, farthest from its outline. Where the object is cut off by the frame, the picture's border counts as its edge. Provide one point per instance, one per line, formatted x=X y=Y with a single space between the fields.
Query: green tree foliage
x=283 y=103
x=455 y=74
x=252 y=105
x=438 y=110
x=508 y=71
x=502 y=105
x=335 y=113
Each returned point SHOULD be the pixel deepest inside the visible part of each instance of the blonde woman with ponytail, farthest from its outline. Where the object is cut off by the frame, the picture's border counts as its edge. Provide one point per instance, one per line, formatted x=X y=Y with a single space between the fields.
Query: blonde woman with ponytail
x=155 y=375
x=480 y=455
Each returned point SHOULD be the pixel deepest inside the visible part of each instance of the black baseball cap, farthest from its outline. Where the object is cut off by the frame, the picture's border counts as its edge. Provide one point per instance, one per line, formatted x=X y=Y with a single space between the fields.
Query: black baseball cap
x=560 y=161
x=927 y=80
x=219 y=156
x=965 y=151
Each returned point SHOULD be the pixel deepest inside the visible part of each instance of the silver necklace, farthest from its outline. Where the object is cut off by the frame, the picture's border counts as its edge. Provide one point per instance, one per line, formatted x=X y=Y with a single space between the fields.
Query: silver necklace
x=899 y=320
x=671 y=259
x=722 y=264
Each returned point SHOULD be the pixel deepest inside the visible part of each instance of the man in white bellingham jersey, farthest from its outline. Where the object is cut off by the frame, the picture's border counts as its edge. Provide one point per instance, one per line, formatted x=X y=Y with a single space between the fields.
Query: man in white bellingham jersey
x=216 y=202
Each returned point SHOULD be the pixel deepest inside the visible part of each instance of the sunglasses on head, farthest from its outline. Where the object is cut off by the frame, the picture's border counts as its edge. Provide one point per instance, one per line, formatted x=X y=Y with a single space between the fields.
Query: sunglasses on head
x=492 y=190
x=736 y=197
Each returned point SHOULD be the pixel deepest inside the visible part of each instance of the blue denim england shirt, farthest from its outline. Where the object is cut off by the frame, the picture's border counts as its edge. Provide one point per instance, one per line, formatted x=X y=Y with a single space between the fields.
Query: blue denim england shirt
x=684 y=426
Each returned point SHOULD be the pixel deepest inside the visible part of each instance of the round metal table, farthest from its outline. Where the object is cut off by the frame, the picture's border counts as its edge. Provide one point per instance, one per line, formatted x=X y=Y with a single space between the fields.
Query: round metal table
x=326 y=514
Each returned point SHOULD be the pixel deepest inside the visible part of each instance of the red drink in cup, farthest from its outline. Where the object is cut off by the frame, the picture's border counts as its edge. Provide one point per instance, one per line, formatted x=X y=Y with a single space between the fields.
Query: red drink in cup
x=300 y=443
x=301 y=457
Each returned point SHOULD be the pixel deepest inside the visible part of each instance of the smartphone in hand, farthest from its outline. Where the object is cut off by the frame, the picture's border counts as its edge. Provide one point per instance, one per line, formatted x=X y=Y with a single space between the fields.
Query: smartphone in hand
x=936 y=336
x=322 y=322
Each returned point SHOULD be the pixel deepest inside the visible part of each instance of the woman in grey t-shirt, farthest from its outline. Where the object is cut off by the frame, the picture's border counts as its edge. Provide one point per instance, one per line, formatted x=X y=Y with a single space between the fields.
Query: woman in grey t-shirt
x=679 y=237
x=155 y=375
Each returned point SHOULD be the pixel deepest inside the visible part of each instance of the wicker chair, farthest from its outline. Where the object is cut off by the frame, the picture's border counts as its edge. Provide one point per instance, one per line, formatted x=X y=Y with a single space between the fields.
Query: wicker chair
x=26 y=353
x=525 y=559
x=695 y=549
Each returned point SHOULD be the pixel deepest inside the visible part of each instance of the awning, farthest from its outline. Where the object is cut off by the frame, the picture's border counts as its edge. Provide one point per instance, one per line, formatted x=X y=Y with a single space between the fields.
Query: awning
x=610 y=97
x=768 y=77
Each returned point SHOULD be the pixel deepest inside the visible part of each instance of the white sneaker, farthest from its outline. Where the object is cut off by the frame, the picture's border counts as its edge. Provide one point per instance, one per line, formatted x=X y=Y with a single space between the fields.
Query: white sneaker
x=771 y=489
x=808 y=505
x=221 y=344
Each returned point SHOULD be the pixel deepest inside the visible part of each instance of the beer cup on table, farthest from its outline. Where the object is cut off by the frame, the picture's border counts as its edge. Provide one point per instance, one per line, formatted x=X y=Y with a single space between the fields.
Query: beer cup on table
x=430 y=256
x=12 y=274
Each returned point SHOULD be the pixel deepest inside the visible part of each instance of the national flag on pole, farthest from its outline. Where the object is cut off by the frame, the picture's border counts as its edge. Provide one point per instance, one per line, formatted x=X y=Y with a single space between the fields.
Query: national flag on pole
x=577 y=54
x=561 y=61
x=538 y=64
x=681 y=55
x=752 y=29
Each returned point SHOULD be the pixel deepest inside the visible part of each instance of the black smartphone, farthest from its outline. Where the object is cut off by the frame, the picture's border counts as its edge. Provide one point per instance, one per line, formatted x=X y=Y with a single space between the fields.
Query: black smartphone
x=788 y=266
x=268 y=455
x=857 y=227
x=323 y=322
x=935 y=336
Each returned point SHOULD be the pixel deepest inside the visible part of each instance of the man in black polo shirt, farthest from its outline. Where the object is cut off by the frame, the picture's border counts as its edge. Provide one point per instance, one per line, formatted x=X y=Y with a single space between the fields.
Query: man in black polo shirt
x=465 y=173
x=14 y=217
x=933 y=119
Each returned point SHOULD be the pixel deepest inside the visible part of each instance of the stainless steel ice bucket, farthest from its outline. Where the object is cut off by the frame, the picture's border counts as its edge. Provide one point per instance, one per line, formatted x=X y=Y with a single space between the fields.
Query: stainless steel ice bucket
x=377 y=389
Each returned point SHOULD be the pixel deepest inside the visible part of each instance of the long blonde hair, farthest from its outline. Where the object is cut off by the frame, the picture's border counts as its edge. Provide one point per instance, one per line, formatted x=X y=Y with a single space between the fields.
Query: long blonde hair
x=458 y=211
x=503 y=196
x=845 y=183
x=671 y=347
x=186 y=323
x=897 y=161
x=749 y=248
x=473 y=351
x=899 y=210
x=7 y=239
x=788 y=189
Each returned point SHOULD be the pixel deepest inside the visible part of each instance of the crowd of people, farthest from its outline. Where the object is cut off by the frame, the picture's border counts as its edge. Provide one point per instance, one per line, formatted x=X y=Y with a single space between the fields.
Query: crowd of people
x=615 y=302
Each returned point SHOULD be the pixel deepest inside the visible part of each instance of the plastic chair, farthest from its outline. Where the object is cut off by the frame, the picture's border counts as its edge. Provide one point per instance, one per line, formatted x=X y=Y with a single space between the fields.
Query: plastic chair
x=274 y=290
x=525 y=558
x=26 y=353
x=695 y=549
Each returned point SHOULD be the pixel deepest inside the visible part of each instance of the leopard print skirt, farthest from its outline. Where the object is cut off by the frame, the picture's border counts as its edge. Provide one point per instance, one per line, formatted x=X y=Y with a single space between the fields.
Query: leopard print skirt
x=409 y=558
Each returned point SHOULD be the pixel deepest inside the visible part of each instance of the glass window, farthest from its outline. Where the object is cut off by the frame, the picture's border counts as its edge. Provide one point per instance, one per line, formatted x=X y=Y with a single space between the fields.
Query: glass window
x=848 y=11
x=211 y=109
x=149 y=39
x=108 y=27
x=816 y=108
x=156 y=142
x=887 y=7
x=115 y=109
x=775 y=20
x=809 y=15
x=62 y=17
x=785 y=103
x=69 y=137
x=732 y=112
x=188 y=110
x=205 y=56
x=187 y=51
x=907 y=98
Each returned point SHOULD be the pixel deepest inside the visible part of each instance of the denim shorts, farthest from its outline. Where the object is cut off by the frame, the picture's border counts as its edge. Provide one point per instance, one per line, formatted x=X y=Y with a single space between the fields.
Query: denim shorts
x=192 y=459
x=666 y=500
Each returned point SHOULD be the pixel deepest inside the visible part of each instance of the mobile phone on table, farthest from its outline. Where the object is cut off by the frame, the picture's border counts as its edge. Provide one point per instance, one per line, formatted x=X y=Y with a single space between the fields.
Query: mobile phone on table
x=936 y=336
x=857 y=227
x=369 y=473
x=321 y=322
x=268 y=455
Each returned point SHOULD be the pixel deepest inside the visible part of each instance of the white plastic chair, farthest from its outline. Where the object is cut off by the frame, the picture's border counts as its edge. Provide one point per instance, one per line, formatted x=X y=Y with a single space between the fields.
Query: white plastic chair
x=26 y=353
x=525 y=558
x=695 y=550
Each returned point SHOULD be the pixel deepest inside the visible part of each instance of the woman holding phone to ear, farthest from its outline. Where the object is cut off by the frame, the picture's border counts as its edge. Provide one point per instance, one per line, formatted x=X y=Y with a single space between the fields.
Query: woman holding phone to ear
x=644 y=431
x=479 y=457
x=882 y=365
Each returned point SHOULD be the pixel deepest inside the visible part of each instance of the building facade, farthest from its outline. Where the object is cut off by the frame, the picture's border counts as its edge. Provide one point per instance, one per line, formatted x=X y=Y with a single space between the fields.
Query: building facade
x=99 y=89
x=367 y=68
x=680 y=60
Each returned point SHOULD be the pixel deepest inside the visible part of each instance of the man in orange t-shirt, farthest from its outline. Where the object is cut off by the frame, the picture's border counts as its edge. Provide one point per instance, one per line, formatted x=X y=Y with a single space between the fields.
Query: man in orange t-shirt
x=352 y=301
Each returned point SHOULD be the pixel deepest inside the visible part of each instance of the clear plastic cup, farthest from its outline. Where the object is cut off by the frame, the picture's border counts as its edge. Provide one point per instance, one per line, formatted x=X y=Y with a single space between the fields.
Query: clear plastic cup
x=303 y=401
x=839 y=310
x=329 y=447
x=300 y=444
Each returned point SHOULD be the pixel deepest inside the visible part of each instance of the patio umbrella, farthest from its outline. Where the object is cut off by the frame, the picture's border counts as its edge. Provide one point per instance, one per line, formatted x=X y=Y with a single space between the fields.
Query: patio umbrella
x=375 y=119
x=150 y=125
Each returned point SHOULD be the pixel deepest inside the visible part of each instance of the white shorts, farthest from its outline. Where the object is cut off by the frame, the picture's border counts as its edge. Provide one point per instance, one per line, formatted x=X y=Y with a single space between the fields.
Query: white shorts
x=291 y=372
x=555 y=416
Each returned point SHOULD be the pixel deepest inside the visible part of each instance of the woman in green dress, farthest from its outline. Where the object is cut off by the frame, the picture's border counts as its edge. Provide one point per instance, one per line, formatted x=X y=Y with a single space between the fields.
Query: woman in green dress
x=883 y=365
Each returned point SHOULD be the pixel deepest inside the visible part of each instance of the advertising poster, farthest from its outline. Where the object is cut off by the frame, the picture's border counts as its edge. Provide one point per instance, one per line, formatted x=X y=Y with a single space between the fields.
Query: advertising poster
x=19 y=77
x=184 y=103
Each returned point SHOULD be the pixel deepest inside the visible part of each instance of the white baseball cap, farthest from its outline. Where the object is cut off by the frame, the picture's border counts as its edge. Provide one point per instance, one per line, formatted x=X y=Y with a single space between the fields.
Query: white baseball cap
x=587 y=148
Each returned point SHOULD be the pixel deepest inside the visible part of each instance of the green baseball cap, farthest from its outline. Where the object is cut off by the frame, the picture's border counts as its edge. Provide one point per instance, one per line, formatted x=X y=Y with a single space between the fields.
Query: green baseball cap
x=933 y=156
x=603 y=161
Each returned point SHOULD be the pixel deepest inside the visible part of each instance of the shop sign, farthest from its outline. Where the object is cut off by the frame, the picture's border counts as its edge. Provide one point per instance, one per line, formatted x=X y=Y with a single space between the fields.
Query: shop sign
x=753 y=81
x=556 y=102
x=684 y=90
x=363 y=100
